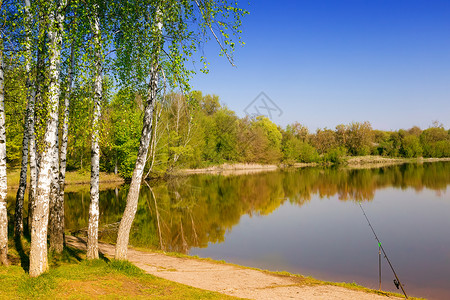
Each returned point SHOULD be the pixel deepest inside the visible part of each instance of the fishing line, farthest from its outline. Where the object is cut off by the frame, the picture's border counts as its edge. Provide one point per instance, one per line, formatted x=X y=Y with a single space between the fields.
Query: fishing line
x=397 y=282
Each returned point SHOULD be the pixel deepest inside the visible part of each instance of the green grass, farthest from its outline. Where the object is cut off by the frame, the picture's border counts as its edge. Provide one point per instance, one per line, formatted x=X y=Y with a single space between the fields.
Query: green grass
x=72 y=177
x=72 y=277
x=76 y=177
x=95 y=279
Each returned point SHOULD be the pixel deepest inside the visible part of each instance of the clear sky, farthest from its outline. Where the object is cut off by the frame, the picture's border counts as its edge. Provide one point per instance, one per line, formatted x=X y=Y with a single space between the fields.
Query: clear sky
x=330 y=62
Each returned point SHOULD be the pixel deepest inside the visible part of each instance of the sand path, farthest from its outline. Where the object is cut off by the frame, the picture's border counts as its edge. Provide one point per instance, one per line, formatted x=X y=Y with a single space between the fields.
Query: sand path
x=229 y=279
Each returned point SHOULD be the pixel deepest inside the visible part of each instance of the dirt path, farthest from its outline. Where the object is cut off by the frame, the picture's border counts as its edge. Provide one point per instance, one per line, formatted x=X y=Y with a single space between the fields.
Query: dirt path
x=229 y=279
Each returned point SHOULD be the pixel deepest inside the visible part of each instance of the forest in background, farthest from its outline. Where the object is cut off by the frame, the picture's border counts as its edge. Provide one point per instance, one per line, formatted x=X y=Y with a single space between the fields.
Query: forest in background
x=195 y=131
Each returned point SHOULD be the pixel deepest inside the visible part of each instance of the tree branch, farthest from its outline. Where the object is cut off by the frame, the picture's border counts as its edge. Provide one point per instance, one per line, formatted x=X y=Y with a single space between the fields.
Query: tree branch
x=230 y=59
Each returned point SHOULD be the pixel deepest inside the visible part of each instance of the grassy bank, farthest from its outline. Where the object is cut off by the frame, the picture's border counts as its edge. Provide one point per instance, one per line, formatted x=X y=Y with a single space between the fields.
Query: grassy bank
x=363 y=162
x=72 y=178
x=70 y=276
x=236 y=168
x=110 y=180
x=354 y=162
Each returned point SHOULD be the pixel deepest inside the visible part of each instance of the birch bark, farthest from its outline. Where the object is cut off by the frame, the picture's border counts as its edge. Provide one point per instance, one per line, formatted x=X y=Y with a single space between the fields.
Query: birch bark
x=3 y=184
x=56 y=243
x=136 y=179
x=18 y=212
x=92 y=242
x=38 y=251
x=59 y=230
x=33 y=149
x=56 y=223
x=29 y=120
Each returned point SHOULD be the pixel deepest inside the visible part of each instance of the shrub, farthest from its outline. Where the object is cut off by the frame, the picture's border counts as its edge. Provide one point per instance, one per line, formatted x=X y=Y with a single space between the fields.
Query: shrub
x=307 y=153
x=336 y=155
x=411 y=146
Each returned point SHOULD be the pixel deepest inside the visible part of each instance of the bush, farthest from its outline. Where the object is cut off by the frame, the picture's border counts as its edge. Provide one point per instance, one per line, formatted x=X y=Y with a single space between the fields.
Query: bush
x=295 y=150
x=335 y=155
x=307 y=153
x=442 y=149
x=411 y=146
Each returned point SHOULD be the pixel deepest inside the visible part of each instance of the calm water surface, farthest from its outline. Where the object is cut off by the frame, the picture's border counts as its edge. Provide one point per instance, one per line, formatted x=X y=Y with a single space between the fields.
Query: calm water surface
x=305 y=221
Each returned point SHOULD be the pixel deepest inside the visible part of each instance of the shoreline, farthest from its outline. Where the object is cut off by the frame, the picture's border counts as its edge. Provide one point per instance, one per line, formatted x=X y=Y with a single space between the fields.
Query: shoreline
x=226 y=168
x=353 y=162
x=236 y=280
x=371 y=162
x=73 y=178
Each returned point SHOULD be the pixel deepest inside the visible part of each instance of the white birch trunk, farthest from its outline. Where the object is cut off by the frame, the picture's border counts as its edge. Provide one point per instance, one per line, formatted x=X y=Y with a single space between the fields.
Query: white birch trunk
x=154 y=140
x=38 y=251
x=33 y=164
x=123 y=234
x=18 y=214
x=56 y=243
x=136 y=179
x=3 y=184
x=32 y=131
x=33 y=175
x=60 y=226
x=94 y=213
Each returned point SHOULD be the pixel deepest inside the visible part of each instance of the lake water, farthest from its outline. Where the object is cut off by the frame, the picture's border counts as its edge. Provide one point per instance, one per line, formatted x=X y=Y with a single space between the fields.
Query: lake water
x=305 y=221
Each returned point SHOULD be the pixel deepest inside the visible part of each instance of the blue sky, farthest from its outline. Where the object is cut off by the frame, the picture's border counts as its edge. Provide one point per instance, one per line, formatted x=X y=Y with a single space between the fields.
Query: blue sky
x=326 y=63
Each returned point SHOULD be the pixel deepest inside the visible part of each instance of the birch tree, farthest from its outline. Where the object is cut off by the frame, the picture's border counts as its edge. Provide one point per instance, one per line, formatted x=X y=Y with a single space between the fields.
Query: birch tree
x=56 y=221
x=10 y=50
x=55 y=207
x=165 y=21
x=29 y=123
x=38 y=96
x=94 y=213
x=31 y=90
x=57 y=242
x=3 y=184
x=136 y=179
x=38 y=251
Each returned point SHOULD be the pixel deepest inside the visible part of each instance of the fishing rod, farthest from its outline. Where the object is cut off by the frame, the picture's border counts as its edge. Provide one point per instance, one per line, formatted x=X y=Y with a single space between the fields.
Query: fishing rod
x=396 y=280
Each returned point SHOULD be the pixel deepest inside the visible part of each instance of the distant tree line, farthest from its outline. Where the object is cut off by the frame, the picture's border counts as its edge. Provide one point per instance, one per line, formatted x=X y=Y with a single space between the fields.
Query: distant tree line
x=195 y=130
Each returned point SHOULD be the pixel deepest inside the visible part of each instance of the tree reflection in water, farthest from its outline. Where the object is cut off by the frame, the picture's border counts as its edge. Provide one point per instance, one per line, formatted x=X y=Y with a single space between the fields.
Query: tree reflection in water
x=193 y=211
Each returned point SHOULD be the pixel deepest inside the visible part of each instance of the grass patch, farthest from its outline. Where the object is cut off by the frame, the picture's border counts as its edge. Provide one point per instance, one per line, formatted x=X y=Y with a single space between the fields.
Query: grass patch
x=125 y=267
x=68 y=256
x=72 y=277
x=77 y=177
x=36 y=287
x=72 y=177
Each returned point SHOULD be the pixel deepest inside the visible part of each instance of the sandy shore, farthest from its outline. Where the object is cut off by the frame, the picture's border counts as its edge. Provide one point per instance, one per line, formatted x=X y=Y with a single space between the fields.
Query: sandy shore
x=365 y=162
x=231 y=279
x=228 y=169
